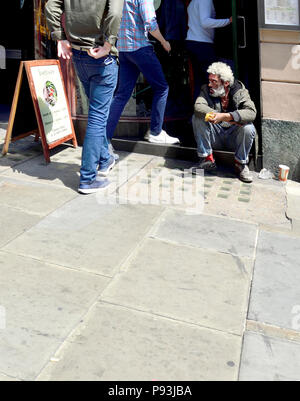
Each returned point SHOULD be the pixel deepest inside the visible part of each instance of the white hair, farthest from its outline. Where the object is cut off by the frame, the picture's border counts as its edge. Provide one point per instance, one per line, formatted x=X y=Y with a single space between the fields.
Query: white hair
x=223 y=70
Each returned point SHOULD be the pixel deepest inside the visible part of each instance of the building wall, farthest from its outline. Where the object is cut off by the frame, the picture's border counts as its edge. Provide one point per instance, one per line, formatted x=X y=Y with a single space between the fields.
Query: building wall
x=280 y=74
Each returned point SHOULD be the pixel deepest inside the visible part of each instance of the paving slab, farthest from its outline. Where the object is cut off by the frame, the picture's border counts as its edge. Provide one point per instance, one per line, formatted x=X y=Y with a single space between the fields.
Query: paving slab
x=159 y=182
x=43 y=303
x=4 y=378
x=32 y=197
x=188 y=284
x=227 y=196
x=223 y=193
x=293 y=205
x=269 y=359
x=275 y=292
x=120 y=344
x=15 y=222
x=209 y=232
x=87 y=235
x=59 y=172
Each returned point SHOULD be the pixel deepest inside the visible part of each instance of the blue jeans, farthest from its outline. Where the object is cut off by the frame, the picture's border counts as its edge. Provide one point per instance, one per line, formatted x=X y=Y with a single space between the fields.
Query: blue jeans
x=131 y=65
x=99 y=79
x=236 y=139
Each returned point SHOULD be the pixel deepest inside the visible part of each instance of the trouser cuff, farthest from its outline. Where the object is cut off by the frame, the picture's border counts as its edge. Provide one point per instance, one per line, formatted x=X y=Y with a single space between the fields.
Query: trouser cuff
x=241 y=161
x=204 y=154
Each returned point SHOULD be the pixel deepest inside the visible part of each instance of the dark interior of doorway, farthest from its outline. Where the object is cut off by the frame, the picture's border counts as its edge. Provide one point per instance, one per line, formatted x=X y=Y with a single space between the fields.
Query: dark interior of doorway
x=178 y=70
x=18 y=40
x=179 y=75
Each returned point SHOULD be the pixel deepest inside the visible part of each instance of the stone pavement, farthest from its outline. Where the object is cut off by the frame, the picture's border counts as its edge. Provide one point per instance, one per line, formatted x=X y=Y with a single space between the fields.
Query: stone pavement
x=108 y=287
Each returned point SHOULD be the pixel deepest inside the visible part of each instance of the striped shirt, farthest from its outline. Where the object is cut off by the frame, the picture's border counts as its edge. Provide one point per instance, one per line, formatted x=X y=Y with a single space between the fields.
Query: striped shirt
x=139 y=18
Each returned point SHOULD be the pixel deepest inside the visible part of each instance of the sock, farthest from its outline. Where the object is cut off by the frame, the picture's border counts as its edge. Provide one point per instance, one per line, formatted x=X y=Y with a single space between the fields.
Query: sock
x=210 y=158
x=239 y=164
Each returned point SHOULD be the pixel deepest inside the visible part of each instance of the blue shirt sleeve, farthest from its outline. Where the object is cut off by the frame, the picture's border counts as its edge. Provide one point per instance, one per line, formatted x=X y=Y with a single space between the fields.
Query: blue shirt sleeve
x=205 y=12
x=148 y=15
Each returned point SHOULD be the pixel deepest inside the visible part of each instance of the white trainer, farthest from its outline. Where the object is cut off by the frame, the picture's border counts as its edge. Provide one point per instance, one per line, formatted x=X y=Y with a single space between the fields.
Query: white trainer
x=163 y=138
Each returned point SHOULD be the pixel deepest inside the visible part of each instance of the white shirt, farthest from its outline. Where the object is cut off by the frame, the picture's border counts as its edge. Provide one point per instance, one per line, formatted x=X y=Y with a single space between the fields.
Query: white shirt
x=202 y=22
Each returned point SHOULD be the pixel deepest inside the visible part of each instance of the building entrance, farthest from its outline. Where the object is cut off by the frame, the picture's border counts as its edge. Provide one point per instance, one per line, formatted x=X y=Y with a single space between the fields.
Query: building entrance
x=236 y=44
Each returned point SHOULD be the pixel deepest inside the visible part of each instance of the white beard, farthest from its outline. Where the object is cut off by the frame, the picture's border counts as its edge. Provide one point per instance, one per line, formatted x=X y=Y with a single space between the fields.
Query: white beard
x=220 y=92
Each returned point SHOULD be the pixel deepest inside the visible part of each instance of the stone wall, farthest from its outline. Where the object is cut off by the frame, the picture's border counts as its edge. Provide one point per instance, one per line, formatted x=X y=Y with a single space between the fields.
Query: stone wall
x=280 y=72
x=281 y=145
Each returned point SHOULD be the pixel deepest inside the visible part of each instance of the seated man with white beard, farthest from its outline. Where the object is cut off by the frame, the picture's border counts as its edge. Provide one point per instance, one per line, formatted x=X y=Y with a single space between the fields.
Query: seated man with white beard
x=223 y=120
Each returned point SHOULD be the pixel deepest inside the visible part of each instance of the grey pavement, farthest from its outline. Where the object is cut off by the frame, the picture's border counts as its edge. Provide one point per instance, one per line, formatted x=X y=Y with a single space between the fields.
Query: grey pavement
x=163 y=276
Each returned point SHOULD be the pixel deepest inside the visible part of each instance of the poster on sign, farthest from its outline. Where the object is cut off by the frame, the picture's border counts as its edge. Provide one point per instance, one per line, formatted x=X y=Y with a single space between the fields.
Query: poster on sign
x=52 y=102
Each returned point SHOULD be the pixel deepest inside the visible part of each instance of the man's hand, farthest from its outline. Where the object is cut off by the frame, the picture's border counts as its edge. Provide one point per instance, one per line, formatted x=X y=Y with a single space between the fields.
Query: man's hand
x=166 y=45
x=158 y=36
x=220 y=117
x=64 y=49
x=101 y=51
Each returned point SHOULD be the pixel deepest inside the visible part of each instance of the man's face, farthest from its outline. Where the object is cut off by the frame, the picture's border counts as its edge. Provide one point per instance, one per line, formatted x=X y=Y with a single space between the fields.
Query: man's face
x=214 y=82
x=217 y=86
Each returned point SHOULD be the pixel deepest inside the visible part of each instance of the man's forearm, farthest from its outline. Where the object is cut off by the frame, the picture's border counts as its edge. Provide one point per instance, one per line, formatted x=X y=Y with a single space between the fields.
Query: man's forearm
x=158 y=36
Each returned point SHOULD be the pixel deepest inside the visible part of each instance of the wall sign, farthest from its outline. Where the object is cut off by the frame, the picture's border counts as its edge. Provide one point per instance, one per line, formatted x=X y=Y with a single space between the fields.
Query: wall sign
x=51 y=118
x=280 y=14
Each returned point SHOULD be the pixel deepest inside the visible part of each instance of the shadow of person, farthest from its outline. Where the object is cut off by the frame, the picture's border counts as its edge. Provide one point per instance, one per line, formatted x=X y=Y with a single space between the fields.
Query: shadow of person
x=225 y=166
x=63 y=170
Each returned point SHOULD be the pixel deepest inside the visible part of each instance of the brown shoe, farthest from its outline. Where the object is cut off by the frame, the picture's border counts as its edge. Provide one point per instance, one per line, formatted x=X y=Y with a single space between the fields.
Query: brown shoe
x=243 y=172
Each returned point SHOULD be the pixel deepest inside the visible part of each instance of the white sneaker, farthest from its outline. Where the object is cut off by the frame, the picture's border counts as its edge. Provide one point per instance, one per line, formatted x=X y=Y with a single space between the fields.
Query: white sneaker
x=163 y=138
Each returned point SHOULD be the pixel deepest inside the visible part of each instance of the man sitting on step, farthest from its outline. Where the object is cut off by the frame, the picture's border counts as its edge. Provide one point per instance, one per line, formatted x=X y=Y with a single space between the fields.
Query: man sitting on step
x=223 y=120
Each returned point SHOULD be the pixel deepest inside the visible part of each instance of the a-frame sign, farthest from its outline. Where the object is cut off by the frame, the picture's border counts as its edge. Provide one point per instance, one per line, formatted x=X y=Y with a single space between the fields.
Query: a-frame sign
x=48 y=114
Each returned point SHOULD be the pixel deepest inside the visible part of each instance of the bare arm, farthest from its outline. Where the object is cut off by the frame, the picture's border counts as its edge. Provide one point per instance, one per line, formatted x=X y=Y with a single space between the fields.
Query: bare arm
x=165 y=44
x=148 y=16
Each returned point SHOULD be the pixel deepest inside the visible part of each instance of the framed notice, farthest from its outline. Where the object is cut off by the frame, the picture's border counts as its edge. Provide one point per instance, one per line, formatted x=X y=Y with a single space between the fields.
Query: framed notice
x=280 y=14
x=48 y=114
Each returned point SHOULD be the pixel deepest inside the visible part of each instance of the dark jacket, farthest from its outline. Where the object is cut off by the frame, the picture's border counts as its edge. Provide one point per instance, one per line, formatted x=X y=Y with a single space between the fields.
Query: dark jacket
x=88 y=23
x=240 y=106
x=172 y=21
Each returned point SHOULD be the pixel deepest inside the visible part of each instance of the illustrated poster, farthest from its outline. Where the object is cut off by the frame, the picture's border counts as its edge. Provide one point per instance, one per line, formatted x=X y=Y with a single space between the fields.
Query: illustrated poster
x=52 y=102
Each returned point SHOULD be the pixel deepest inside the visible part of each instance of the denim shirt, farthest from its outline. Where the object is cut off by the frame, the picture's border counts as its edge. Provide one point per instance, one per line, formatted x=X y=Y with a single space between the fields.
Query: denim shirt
x=139 y=18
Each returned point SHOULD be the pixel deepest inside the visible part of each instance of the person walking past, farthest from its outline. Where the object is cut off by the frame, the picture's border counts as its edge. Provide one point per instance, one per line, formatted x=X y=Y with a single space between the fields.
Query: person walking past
x=202 y=23
x=89 y=36
x=137 y=55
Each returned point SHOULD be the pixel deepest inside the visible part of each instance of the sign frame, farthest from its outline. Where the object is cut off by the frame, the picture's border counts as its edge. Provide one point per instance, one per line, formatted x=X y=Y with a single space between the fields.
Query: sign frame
x=279 y=26
x=40 y=131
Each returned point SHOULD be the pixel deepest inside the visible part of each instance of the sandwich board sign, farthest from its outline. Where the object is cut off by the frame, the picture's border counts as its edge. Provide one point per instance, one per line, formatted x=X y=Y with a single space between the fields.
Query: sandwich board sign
x=48 y=114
